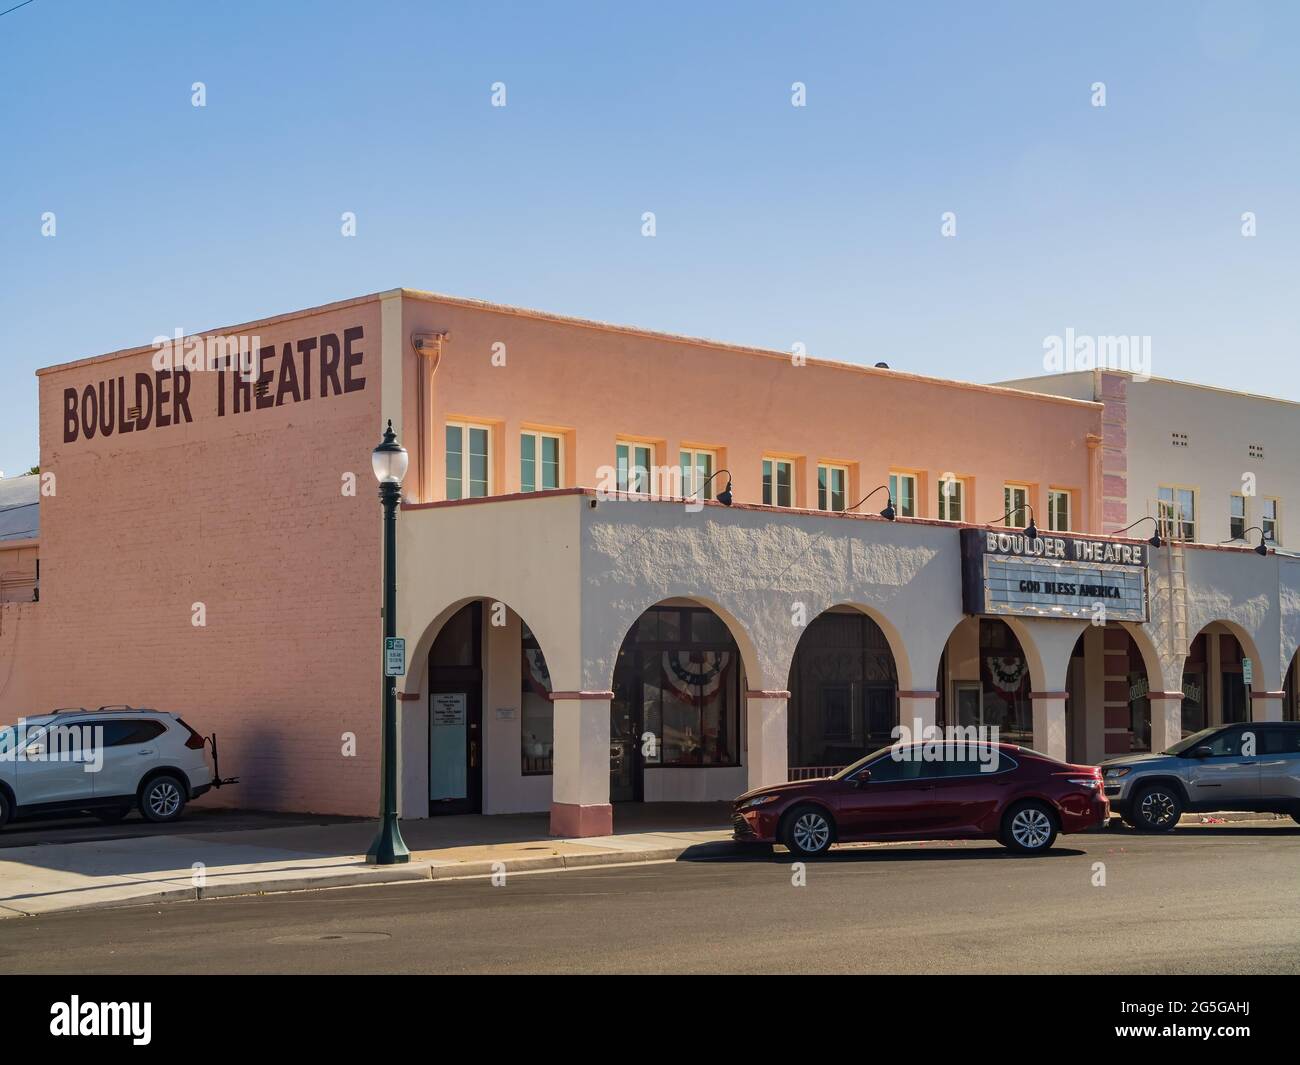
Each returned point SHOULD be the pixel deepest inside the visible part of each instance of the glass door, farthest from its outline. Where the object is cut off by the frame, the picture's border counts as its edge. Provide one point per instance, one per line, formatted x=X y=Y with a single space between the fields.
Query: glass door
x=625 y=731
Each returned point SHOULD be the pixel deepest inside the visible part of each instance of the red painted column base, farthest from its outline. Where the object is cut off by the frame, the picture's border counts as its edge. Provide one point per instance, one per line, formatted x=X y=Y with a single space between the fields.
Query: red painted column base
x=570 y=819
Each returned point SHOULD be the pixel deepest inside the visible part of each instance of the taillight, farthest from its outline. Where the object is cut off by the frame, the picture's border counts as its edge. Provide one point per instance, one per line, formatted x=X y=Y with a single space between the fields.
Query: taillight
x=195 y=741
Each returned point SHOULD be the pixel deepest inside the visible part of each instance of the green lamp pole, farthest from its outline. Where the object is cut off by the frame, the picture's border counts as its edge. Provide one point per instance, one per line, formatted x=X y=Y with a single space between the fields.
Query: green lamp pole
x=389 y=460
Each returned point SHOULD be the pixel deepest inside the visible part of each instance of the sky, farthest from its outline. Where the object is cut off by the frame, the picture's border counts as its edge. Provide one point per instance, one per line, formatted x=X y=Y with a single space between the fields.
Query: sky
x=774 y=224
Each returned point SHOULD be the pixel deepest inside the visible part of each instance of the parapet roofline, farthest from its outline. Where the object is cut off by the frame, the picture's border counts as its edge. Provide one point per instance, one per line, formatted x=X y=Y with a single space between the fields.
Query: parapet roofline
x=1159 y=380
x=244 y=328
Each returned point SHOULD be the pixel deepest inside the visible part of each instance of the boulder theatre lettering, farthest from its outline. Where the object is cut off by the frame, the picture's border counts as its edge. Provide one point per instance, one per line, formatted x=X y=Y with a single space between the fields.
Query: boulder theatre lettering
x=316 y=367
x=1052 y=576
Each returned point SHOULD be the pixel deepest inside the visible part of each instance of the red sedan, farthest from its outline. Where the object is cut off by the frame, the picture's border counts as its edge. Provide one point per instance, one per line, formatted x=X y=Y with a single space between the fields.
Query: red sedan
x=929 y=791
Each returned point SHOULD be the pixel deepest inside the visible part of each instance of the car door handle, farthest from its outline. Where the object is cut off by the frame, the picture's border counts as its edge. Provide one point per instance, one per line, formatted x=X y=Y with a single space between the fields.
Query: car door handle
x=147 y=750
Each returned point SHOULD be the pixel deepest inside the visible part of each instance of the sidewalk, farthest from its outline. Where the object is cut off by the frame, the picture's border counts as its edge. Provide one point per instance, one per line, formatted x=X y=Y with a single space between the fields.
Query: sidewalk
x=50 y=877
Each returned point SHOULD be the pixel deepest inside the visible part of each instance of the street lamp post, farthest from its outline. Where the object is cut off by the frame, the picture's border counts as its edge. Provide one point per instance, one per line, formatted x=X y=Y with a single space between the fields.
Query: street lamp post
x=389 y=460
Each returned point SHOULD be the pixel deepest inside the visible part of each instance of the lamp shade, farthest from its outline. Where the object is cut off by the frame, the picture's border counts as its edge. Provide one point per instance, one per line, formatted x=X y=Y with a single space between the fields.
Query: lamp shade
x=389 y=459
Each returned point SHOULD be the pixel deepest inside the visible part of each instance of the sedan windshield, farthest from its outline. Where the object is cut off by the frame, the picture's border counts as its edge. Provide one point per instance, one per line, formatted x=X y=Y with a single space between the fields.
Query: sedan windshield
x=848 y=771
x=1194 y=740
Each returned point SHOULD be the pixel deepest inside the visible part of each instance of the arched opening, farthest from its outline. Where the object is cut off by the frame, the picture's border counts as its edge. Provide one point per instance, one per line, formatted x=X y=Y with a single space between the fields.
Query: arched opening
x=1108 y=712
x=675 y=718
x=843 y=693
x=1214 y=687
x=474 y=760
x=984 y=681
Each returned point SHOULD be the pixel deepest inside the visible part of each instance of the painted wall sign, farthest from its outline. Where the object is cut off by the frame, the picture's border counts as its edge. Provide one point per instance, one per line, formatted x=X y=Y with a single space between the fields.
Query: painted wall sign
x=1052 y=576
x=316 y=367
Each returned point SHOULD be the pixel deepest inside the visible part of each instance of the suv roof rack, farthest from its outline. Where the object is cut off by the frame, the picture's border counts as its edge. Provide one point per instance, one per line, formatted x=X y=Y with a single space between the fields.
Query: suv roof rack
x=111 y=708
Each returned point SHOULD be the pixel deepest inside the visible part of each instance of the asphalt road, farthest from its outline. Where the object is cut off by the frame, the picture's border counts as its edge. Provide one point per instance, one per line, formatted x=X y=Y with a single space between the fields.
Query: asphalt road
x=1214 y=899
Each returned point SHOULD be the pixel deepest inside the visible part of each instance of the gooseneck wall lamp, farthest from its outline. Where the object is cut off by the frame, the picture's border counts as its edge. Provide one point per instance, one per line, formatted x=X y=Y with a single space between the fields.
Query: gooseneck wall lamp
x=1155 y=540
x=1260 y=548
x=1031 y=530
x=724 y=497
x=389 y=461
x=889 y=514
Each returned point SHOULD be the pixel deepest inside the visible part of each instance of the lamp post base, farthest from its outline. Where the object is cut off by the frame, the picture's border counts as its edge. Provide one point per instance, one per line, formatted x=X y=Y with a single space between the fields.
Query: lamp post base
x=389 y=848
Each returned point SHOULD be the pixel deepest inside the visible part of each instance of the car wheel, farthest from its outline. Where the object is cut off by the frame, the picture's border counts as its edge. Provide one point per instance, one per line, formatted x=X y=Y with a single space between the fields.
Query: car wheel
x=1029 y=828
x=162 y=799
x=1156 y=808
x=6 y=809
x=809 y=831
x=111 y=816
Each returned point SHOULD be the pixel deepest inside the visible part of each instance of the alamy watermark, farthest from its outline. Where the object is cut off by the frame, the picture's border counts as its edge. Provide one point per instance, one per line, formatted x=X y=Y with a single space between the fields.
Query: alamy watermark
x=1082 y=351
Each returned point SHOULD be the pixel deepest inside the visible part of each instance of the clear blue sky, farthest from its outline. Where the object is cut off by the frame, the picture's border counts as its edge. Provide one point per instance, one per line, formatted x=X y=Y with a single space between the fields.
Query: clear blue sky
x=775 y=224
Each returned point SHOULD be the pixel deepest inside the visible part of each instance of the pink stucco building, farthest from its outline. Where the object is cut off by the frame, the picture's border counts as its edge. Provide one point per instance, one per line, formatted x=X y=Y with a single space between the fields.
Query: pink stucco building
x=585 y=622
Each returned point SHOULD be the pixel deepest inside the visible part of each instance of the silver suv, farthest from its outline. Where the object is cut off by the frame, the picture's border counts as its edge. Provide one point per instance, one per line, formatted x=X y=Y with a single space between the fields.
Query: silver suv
x=1254 y=767
x=105 y=762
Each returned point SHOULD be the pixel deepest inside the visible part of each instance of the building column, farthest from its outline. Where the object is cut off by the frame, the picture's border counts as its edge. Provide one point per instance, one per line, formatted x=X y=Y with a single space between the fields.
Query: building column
x=580 y=766
x=1166 y=719
x=766 y=724
x=917 y=712
x=1049 y=723
x=1266 y=706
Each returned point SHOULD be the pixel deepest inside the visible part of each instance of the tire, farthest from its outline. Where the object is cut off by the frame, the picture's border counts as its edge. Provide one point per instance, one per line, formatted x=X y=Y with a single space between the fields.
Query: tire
x=808 y=831
x=1029 y=827
x=1156 y=808
x=110 y=816
x=162 y=799
x=6 y=809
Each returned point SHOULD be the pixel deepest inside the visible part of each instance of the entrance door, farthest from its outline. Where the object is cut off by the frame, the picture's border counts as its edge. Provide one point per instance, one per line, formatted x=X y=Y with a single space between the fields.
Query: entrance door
x=456 y=715
x=625 y=715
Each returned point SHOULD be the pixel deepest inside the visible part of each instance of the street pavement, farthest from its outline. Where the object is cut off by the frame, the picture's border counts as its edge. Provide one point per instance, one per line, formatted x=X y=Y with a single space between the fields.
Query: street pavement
x=1207 y=899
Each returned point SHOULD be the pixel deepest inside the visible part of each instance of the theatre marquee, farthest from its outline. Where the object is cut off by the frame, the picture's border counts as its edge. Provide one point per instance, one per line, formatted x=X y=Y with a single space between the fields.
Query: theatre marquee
x=1053 y=576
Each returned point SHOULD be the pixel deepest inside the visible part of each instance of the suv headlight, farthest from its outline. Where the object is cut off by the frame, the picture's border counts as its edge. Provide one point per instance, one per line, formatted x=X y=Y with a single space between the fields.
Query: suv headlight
x=1118 y=771
x=757 y=800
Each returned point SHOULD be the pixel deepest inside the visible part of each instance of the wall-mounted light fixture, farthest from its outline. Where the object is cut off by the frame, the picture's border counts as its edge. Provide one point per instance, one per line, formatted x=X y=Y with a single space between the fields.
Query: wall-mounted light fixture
x=889 y=514
x=1155 y=540
x=724 y=497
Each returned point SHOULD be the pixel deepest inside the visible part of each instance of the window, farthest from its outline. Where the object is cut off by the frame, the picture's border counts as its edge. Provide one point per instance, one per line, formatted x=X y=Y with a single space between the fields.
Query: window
x=1177 y=512
x=952 y=498
x=1268 y=521
x=1236 y=517
x=1015 y=504
x=902 y=490
x=697 y=468
x=1058 y=510
x=634 y=464
x=541 y=458
x=537 y=712
x=832 y=487
x=469 y=461
x=778 y=483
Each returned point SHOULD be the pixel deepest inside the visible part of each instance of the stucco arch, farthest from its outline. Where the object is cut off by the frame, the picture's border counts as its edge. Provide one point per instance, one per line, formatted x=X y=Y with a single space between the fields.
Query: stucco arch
x=897 y=645
x=418 y=655
x=1249 y=648
x=749 y=658
x=1151 y=661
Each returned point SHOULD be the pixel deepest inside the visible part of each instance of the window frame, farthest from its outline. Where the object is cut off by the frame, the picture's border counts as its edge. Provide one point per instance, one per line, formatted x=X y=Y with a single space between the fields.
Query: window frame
x=826 y=492
x=1052 y=495
x=1276 y=520
x=899 y=476
x=1166 y=524
x=465 y=426
x=538 y=435
x=945 y=502
x=689 y=490
x=776 y=462
x=1233 y=497
x=1009 y=488
x=623 y=483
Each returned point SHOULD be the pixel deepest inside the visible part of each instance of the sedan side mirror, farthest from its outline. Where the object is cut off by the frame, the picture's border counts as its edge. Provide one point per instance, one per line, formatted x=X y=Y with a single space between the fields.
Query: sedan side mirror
x=1203 y=752
x=861 y=778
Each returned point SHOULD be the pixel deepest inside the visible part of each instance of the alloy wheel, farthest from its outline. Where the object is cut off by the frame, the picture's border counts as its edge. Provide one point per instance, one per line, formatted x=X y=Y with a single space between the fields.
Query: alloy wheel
x=811 y=832
x=164 y=798
x=1031 y=828
x=1157 y=808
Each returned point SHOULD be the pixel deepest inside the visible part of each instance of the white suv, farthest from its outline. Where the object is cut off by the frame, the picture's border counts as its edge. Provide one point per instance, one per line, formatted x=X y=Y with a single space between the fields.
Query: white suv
x=103 y=762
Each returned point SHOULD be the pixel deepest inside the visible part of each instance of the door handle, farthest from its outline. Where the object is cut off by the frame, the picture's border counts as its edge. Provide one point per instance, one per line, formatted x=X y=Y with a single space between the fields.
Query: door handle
x=147 y=750
x=473 y=754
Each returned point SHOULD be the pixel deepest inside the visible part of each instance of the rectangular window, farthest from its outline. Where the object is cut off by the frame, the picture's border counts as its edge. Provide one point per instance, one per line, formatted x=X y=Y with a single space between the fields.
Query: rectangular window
x=1270 y=521
x=832 y=487
x=634 y=464
x=952 y=499
x=778 y=483
x=1058 y=510
x=697 y=468
x=469 y=461
x=1015 y=504
x=1176 y=506
x=1236 y=517
x=541 y=458
x=902 y=490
